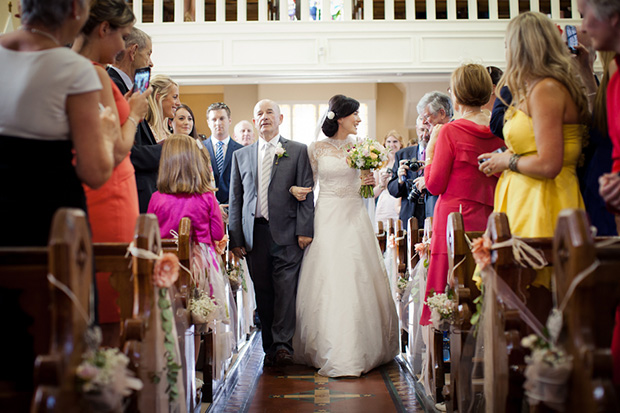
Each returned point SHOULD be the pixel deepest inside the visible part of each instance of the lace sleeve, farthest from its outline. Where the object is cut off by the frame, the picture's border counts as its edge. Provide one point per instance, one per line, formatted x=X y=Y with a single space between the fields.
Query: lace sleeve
x=313 y=161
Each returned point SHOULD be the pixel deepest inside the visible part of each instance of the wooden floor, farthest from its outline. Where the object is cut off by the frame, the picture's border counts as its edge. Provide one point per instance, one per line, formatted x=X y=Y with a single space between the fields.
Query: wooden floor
x=386 y=389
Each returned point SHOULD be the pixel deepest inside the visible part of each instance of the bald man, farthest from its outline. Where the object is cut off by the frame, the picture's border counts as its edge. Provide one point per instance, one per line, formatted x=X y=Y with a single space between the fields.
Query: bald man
x=244 y=133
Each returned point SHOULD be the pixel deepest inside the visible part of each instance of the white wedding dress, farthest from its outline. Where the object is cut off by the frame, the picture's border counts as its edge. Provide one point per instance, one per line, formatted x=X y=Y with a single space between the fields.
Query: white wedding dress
x=346 y=319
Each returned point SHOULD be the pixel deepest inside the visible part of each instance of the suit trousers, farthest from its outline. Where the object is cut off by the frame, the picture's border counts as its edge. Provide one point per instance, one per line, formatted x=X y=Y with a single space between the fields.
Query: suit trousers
x=275 y=272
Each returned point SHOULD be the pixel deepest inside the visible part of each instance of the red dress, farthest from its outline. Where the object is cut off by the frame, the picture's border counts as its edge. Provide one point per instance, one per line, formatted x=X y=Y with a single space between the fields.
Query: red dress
x=613 y=127
x=454 y=176
x=112 y=212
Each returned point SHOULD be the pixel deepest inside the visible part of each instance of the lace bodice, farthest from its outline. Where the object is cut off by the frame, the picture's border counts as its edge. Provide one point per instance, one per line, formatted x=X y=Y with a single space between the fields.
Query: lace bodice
x=330 y=169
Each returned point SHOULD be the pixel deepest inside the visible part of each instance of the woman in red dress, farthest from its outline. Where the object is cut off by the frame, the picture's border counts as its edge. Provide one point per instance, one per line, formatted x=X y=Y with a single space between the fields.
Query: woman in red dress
x=113 y=208
x=453 y=173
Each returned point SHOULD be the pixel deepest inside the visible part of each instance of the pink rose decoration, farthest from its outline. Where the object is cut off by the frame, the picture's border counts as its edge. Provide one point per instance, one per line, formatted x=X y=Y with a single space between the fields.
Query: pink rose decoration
x=220 y=246
x=166 y=270
x=422 y=249
x=392 y=241
x=481 y=250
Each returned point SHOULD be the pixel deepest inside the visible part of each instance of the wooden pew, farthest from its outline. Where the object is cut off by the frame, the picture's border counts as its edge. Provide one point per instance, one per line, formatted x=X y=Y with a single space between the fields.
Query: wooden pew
x=462 y=265
x=42 y=320
x=141 y=340
x=381 y=237
x=589 y=315
x=71 y=263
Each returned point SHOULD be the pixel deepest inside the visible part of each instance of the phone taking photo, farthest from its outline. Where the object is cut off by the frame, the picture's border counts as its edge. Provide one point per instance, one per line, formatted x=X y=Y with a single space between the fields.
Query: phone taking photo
x=571 y=38
x=142 y=79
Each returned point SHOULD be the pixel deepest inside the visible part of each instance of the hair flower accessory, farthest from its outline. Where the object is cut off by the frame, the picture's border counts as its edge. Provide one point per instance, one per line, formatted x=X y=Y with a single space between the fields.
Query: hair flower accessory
x=331 y=115
x=280 y=152
x=166 y=270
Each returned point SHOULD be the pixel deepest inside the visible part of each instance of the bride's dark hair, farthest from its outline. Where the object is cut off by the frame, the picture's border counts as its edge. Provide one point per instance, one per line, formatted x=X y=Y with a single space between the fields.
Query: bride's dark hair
x=341 y=107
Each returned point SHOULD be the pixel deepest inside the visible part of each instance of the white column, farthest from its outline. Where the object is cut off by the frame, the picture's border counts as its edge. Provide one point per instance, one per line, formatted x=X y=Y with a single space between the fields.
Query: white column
x=305 y=10
x=348 y=10
x=369 y=13
x=220 y=11
x=242 y=10
x=283 y=7
x=410 y=10
x=326 y=10
x=574 y=10
x=200 y=11
x=431 y=13
x=389 y=9
x=514 y=8
x=262 y=10
x=137 y=10
x=158 y=11
x=451 y=9
x=493 y=10
x=472 y=9
x=555 y=9
x=179 y=11
x=534 y=5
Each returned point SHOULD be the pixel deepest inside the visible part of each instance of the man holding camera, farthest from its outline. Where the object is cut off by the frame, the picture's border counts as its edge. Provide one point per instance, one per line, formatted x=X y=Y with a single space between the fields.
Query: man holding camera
x=407 y=183
x=408 y=164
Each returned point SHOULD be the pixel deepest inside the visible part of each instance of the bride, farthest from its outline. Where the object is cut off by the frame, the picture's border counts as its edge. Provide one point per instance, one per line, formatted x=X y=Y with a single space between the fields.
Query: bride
x=346 y=319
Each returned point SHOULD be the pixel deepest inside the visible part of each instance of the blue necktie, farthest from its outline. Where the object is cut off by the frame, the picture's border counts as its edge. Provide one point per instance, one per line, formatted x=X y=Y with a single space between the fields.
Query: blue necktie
x=219 y=156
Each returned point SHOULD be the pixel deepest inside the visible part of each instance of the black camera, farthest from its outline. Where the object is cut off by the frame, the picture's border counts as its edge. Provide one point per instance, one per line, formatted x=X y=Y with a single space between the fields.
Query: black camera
x=415 y=195
x=414 y=165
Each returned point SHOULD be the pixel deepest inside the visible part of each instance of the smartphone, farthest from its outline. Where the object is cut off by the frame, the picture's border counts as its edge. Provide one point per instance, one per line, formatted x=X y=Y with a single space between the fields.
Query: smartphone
x=571 y=38
x=499 y=150
x=142 y=79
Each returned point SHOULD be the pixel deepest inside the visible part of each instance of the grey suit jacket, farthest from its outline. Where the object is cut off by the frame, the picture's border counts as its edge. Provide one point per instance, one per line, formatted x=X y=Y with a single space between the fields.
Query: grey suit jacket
x=288 y=218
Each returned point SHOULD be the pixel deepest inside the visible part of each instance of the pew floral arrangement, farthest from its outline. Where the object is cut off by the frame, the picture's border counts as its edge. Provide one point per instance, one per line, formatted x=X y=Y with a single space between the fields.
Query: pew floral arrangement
x=104 y=379
x=443 y=308
x=423 y=248
x=203 y=307
x=165 y=274
x=236 y=276
x=547 y=372
x=366 y=156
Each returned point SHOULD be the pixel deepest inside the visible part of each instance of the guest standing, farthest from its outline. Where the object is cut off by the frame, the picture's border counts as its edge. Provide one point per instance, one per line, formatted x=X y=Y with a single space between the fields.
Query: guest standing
x=183 y=122
x=453 y=173
x=543 y=132
x=34 y=73
x=387 y=205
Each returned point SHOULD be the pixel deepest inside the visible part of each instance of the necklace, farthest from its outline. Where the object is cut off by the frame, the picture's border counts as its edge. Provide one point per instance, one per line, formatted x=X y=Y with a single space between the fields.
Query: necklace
x=41 y=33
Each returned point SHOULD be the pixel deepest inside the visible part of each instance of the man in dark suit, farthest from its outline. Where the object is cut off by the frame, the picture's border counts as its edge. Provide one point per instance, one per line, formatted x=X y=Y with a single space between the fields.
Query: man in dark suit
x=403 y=179
x=145 y=152
x=270 y=226
x=221 y=148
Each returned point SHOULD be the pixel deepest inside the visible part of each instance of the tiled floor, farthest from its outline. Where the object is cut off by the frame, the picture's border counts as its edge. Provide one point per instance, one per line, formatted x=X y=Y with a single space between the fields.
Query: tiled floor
x=300 y=389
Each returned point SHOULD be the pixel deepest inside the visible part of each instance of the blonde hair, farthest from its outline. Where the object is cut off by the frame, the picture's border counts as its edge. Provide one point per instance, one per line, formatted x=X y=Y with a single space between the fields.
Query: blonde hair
x=162 y=85
x=184 y=167
x=394 y=134
x=472 y=85
x=536 y=51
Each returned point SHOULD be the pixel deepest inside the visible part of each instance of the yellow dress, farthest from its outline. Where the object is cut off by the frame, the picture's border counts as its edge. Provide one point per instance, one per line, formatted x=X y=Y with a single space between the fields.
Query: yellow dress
x=531 y=204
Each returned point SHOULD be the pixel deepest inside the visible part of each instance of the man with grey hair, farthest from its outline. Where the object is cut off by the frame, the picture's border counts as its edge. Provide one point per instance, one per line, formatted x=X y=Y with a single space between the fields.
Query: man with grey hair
x=135 y=55
x=435 y=108
x=145 y=153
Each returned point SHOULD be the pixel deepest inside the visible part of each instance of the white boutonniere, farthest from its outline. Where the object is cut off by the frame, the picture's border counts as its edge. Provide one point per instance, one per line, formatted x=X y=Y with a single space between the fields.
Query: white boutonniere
x=280 y=152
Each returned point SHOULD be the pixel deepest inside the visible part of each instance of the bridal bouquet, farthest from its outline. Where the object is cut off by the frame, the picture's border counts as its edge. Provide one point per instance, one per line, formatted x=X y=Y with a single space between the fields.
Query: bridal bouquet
x=366 y=156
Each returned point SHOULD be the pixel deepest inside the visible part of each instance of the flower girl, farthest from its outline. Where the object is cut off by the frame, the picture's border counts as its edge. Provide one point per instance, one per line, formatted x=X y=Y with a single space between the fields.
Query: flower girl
x=185 y=190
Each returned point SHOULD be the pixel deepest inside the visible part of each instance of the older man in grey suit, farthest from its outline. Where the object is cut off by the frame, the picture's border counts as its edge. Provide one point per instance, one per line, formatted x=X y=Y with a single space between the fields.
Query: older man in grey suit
x=269 y=226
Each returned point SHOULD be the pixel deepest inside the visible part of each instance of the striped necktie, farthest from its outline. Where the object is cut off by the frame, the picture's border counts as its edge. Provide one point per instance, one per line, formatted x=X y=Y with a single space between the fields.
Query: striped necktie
x=265 y=179
x=219 y=156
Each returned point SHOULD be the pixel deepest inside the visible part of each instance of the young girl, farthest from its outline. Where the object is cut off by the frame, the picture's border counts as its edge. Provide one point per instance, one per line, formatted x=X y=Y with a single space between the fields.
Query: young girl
x=185 y=190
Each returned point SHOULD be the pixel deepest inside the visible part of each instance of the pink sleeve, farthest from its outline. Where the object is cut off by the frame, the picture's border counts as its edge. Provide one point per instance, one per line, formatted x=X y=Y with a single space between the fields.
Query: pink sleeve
x=216 y=224
x=436 y=176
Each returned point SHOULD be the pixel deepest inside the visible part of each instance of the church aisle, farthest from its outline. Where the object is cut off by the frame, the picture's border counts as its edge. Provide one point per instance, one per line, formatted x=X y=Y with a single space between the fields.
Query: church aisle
x=300 y=389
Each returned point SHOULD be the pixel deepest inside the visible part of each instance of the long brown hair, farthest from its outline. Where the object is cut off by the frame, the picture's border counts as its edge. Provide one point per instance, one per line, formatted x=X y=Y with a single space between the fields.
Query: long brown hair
x=184 y=167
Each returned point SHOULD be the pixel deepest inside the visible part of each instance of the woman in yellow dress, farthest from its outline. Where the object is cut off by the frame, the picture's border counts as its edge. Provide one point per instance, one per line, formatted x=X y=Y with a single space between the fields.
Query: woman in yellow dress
x=544 y=129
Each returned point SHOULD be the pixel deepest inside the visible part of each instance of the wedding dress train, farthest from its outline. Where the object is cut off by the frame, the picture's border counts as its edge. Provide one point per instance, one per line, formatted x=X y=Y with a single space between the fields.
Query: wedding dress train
x=346 y=318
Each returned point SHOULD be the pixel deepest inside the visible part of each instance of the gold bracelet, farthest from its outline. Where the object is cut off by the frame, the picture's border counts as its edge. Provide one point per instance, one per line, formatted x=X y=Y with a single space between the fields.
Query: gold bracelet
x=512 y=163
x=135 y=122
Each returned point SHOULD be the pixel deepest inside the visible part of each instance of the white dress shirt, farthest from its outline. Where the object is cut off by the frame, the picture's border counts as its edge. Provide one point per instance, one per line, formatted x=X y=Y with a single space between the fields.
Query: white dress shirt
x=261 y=152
